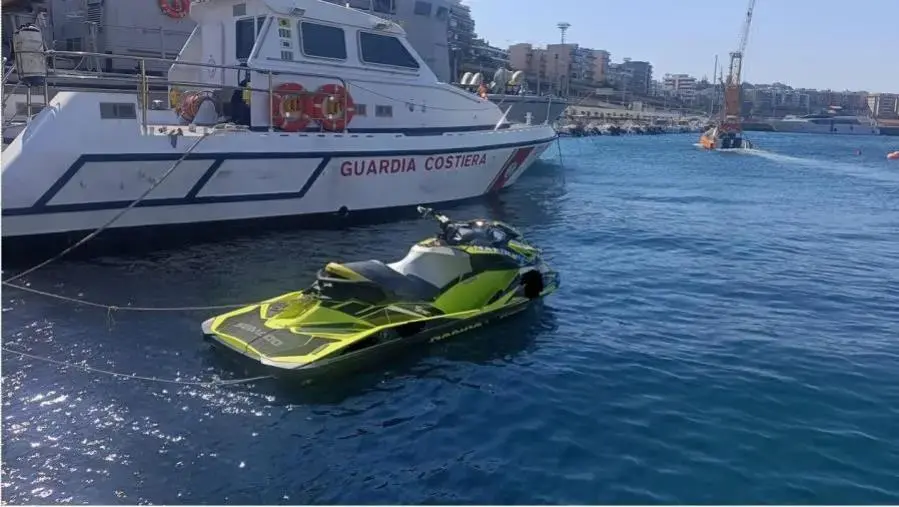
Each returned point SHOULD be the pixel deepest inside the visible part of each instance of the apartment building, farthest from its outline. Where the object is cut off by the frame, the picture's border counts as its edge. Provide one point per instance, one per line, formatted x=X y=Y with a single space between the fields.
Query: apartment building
x=682 y=86
x=601 y=60
x=635 y=77
x=562 y=69
x=883 y=105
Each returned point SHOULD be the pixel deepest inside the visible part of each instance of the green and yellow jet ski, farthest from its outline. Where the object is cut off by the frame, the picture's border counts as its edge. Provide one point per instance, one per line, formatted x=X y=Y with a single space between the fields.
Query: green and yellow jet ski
x=464 y=277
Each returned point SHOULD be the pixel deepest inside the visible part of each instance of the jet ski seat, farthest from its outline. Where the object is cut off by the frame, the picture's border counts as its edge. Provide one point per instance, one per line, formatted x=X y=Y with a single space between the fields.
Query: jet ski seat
x=406 y=287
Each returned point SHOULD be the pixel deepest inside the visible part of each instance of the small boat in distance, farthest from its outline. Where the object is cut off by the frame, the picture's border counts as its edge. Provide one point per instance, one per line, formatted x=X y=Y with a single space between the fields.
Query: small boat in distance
x=275 y=110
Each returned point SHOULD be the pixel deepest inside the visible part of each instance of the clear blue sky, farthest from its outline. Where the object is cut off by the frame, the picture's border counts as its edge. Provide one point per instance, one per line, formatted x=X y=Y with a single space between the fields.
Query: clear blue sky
x=836 y=44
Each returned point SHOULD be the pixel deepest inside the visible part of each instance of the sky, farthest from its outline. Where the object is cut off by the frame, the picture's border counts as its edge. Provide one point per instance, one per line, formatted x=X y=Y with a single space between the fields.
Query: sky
x=835 y=44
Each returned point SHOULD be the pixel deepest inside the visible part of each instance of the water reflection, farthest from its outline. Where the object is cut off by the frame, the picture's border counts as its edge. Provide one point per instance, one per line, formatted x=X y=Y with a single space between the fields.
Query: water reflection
x=504 y=342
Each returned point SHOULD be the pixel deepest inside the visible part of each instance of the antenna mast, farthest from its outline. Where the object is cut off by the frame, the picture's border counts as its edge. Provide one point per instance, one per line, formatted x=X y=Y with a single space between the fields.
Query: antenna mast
x=563 y=27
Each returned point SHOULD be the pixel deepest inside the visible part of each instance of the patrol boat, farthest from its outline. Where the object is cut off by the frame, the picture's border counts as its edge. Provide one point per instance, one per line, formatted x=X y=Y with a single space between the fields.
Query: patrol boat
x=338 y=116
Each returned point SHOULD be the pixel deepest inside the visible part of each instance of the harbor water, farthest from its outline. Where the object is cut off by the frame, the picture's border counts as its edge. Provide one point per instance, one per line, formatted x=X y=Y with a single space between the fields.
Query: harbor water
x=727 y=330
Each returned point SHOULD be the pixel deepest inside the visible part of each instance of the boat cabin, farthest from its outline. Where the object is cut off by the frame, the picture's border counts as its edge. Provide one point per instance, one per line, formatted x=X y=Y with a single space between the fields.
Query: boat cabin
x=328 y=66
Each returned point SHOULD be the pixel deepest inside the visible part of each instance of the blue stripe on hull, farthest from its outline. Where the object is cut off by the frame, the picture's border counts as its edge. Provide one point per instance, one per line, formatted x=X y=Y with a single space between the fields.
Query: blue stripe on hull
x=42 y=206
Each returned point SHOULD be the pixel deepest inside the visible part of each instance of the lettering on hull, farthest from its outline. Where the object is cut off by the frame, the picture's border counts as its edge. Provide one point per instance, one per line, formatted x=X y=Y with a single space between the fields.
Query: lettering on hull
x=455 y=332
x=383 y=166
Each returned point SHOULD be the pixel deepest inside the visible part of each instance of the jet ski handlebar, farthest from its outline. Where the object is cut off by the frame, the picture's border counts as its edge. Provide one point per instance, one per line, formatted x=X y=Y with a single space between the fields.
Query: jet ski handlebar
x=429 y=212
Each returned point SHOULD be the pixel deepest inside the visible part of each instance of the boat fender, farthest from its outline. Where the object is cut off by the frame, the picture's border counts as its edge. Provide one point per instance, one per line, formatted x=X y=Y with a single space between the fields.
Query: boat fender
x=517 y=77
x=175 y=8
x=500 y=79
x=290 y=107
x=532 y=284
x=466 y=79
x=191 y=102
x=333 y=107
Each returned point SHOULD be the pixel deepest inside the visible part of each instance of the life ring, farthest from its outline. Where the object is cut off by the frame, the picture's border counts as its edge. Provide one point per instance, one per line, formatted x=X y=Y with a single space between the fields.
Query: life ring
x=175 y=8
x=289 y=107
x=190 y=104
x=333 y=107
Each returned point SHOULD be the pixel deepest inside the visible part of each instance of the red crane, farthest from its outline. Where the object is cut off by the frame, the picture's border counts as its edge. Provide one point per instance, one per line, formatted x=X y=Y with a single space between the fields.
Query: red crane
x=730 y=113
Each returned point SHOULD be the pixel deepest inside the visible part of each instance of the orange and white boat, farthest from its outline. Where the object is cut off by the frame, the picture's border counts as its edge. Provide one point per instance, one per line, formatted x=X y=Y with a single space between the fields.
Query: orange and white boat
x=724 y=137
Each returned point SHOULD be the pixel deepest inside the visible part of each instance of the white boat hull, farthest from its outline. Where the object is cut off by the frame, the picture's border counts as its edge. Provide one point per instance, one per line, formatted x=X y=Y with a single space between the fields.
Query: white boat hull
x=813 y=128
x=230 y=177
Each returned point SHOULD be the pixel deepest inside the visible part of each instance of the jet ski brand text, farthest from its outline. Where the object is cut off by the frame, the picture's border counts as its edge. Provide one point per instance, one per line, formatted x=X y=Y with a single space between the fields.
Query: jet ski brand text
x=499 y=251
x=410 y=164
x=454 y=332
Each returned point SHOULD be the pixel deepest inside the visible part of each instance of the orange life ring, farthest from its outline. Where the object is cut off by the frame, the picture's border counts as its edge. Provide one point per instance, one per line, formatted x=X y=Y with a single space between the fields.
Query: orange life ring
x=189 y=104
x=289 y=107
x=333 y=107
x=175 y=8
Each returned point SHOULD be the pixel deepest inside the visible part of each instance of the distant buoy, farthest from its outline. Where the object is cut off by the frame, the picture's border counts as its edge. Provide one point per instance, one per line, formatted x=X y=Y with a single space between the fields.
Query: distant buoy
x=893 y=155
x=858 y=152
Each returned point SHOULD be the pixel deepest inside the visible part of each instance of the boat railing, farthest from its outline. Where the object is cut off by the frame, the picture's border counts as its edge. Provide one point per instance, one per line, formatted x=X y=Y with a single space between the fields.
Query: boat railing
x=177 y=89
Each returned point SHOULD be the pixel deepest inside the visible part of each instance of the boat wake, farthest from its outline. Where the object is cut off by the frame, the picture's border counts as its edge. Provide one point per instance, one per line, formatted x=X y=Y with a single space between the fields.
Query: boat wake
x=729 y=150
x=860 y=170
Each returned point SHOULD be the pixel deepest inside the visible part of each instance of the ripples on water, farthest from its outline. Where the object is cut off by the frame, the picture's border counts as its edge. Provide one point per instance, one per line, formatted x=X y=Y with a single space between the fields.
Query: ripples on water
x=726 y=331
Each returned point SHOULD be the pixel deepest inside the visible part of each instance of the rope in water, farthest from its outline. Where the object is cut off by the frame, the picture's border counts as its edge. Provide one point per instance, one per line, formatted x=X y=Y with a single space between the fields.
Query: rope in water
x=207 y=383
x=112 y=308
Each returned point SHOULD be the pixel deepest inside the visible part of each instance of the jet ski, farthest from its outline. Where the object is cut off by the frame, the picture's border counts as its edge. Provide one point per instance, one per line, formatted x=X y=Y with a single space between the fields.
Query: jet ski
x=464 y=277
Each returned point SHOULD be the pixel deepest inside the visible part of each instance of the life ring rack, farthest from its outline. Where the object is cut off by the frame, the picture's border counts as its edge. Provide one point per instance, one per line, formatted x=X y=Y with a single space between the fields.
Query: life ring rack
x=333 y=107
x=293 y=108
x=175 y=8
x=290 y=109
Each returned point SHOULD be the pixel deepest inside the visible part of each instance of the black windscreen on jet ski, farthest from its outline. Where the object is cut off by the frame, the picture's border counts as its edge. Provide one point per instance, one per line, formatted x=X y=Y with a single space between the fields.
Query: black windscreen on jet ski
x=475 y=234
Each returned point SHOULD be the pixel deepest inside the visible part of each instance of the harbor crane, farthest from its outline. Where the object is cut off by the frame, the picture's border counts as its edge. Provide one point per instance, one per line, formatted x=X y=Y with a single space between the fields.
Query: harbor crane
x=728 y=134
x=732 y=102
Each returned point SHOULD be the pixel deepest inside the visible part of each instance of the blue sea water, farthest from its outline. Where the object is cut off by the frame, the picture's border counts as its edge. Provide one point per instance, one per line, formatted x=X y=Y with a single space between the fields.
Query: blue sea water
x=727 y=331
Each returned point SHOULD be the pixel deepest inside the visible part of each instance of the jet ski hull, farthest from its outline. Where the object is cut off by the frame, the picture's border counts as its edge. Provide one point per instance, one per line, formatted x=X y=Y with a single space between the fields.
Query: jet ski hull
x=246 y=334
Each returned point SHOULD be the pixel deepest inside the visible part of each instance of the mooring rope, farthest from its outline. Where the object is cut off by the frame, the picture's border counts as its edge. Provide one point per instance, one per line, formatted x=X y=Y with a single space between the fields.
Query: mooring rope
x=109 y=307
x=207 y=383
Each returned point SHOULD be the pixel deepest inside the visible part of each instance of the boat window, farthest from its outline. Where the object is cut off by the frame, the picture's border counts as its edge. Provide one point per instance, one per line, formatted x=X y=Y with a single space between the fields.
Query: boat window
x=422 y=8
x=384 y=111
x=22 y=108
x=74 y=44
x=385 y=50
x=385 y=6
x=442 y=13
x=360 y=110
x=246 y=31
x=118 y=111
x=322 y=41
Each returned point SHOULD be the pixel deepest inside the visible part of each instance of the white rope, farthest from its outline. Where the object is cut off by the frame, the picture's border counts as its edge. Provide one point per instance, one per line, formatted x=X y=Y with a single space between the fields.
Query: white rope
x=208 y=383
x=104 y=306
